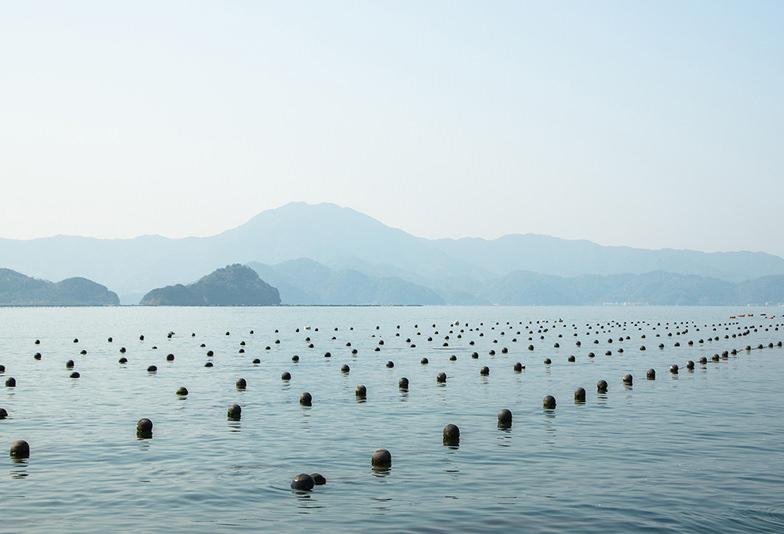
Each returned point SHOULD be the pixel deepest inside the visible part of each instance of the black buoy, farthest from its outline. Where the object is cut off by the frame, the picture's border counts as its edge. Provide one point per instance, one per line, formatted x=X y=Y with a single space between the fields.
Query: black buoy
x=484 y=371
x=690 y=365
x=285 y=376
x=441 y=378
x=75 y=374
x=256 y=361
x=381 y=458
x=360 y=391
x=69 y=364
x=451 y=435
x=182 y=391
x=123 y=360
x=152 y=369
x=651 y=374
x=345 y=368
x=144 y=428
x=390 y=364
x=504 y=418
x=628 y=379
x=20 y=449
x=302 y=482
x=241 y=384
x=601 y=386
x=3 y=413
x=424 y=361
x=579 y=395
x=170 y=357
x=403 y=383
x=234 y=412
x=549 y=402
x=10 y=382
x=547 y=361
x=674 y=368
x=571 y=359
x=518 y=367
x=306 y=399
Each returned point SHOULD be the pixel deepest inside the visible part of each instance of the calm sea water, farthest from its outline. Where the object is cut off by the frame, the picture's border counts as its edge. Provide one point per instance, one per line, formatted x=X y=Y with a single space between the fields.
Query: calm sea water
x=697 y=451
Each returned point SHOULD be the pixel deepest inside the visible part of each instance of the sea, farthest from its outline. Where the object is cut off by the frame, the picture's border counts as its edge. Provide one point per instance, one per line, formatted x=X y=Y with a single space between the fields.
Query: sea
x=700 y=450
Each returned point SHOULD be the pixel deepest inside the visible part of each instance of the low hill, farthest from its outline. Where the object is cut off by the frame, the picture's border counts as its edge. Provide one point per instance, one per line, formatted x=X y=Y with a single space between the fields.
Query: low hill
x=16 y=289
x=653 y=288
x=305 y=281
x=233 y=285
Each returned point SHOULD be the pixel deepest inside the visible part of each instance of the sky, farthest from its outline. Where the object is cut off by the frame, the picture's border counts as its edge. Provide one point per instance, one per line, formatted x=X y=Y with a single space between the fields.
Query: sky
x=650 y=124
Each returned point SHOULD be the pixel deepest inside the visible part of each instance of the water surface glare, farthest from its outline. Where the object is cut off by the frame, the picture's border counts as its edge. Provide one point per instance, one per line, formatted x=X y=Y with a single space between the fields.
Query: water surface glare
x=698 y=451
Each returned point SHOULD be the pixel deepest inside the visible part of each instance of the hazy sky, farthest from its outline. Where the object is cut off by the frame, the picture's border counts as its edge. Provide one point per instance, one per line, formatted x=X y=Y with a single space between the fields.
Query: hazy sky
x=643 y=123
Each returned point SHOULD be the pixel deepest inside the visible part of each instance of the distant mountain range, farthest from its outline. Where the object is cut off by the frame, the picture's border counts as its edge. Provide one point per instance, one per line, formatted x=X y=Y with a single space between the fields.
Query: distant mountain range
x=17 y=289
x=234 y=285
x=305 y=281
x=654 y=288
x=356 y=259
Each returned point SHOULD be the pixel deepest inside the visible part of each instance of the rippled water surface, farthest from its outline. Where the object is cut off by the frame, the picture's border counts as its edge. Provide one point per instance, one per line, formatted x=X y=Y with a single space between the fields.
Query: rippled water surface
x=697 y=451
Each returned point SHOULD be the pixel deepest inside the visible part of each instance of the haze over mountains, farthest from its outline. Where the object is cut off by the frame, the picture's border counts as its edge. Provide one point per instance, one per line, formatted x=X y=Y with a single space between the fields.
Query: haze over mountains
x=325 y=254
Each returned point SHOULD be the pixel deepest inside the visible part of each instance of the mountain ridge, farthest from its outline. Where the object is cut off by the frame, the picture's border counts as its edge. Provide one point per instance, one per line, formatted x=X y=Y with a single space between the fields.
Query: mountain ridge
x=17 y=289
x=343 y=238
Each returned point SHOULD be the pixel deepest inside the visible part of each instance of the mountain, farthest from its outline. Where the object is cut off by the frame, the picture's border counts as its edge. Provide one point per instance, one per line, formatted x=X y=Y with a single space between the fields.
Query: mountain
x=17 y=289
x=234 y=285
x=344 y=239
x=764 y=290
x=304 y=281
x=654 y=288
x=565 y=257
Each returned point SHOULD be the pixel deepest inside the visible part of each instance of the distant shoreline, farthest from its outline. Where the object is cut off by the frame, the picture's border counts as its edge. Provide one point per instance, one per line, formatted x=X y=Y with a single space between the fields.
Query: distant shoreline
x=606 y=305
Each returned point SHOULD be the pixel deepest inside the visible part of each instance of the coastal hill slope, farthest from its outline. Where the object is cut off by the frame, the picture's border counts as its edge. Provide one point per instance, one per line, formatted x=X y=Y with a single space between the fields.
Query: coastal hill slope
x=233 y=285
x=16 y=289
x=304 y=281
x=344 y=239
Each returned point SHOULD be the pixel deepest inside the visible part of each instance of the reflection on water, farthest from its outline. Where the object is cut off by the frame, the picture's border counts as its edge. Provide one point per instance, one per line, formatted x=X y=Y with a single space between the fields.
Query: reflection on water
x=234 y=426
x=19 y=470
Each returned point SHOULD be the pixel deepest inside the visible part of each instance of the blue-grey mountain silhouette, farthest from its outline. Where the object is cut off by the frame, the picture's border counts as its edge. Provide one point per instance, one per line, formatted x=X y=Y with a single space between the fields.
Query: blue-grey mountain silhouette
x=458 y=270
x=16 y=289
x=233 y=285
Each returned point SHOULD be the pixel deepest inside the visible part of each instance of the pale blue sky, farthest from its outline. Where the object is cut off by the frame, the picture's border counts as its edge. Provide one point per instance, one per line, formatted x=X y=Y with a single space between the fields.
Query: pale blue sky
x=643 y=123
